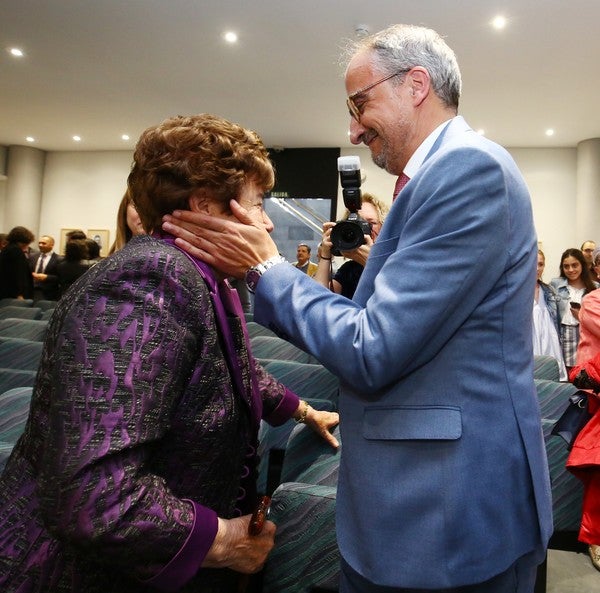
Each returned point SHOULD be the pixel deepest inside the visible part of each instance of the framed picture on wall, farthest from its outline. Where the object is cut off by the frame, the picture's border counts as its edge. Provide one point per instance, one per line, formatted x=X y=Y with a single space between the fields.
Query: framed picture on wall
x=101 y=236
x=63 y=239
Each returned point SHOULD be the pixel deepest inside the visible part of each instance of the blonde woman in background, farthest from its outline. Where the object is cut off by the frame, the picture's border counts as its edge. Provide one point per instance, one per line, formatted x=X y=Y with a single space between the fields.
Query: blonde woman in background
x=128 y=223
x=345 y=280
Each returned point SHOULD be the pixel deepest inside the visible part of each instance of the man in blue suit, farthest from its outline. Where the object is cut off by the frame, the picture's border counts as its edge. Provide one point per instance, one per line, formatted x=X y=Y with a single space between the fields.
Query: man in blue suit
x=443 y=479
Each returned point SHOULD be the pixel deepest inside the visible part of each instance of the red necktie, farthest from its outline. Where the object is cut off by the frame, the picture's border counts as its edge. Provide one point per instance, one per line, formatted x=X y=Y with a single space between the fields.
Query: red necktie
x=400 y=183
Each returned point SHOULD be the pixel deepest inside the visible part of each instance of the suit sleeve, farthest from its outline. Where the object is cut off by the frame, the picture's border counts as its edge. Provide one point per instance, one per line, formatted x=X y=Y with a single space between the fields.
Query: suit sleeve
x=442 y=251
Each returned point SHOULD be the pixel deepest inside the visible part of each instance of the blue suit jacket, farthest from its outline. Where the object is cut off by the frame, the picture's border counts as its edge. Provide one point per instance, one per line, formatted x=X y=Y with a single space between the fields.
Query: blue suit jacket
x=443 y=477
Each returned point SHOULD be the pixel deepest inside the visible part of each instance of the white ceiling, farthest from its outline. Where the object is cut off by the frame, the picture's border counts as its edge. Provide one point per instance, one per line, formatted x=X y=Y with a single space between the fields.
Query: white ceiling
x=101 y=68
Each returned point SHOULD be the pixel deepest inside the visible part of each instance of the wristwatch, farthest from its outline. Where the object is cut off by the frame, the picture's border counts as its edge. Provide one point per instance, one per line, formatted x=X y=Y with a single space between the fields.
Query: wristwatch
x=255 y=272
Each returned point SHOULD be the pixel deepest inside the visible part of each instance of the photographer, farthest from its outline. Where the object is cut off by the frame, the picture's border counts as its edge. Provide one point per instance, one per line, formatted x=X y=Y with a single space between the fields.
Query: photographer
x=345 y=280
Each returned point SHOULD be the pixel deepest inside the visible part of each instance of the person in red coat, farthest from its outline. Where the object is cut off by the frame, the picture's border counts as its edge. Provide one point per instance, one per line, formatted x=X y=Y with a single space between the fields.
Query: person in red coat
x=584 y=458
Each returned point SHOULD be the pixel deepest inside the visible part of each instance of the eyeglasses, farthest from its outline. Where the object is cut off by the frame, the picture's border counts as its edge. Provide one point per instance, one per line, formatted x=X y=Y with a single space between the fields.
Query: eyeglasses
x=354 y=110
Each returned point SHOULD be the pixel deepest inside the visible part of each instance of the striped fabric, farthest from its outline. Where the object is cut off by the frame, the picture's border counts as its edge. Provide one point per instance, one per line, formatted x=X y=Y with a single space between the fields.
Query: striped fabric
x=14 y=408
x=274 y=348
x=17 y=353
x=11 y=378
x=16 y=302
x=567 y=490
x=29 y=329
x=305 y=555
x=307 y=380
x=275 y=438
x=545 y=367
x=10 y=311
x=309 y=459
x=256 y=329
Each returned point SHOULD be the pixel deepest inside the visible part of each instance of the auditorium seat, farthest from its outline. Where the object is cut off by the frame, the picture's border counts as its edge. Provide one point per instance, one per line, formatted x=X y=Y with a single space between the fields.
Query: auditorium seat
x=272 y=443
x=14 y=409
x=11 y=378
x=6 y=302
x=29 y=329
x=546 y=367
x=16 y=312
x=306 y=556
x=275 y=348
x=256 y=329
x=44 y=305
x=309 y=459
x=17 y=353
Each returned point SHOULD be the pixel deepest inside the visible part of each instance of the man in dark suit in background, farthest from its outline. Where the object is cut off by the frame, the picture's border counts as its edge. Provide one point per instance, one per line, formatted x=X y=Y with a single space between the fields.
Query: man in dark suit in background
x=443 y=481
x=43 y=268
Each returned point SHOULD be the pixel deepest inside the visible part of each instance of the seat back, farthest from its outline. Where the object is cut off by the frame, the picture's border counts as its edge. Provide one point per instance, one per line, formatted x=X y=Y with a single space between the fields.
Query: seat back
x=16 y=302
x=17 y=353
x=275 y=348
x=546 y=367
x=567 y=490
x=29 y=329
x=309 y=459
x=306 y=555
x=10 y=311
x=307 y=380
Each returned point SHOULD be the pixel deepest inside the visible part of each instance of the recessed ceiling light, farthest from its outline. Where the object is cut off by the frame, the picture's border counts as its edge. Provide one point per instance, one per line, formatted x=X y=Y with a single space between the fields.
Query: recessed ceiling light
x=124 y=137
x=30 y=139
x=77 y=138
x=549 y=132
x=499 y=22
x=481 y=132
x=16 y=52
x=230 y=37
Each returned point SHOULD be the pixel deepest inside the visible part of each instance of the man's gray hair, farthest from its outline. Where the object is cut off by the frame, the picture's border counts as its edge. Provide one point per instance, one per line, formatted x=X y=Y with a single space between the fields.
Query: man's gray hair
x=402 y=47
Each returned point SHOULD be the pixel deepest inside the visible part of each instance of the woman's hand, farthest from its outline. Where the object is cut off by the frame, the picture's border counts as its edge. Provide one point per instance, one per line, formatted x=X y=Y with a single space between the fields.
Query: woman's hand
x=235 y=548
x=321 y=422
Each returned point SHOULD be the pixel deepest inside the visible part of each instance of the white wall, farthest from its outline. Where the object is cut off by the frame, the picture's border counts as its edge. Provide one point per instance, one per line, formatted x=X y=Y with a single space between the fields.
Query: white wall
x=551 y=175
x=82 y=190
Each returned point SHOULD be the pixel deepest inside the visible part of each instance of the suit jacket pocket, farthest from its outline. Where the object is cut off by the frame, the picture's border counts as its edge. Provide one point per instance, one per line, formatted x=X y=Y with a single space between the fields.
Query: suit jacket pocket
x=442 y=423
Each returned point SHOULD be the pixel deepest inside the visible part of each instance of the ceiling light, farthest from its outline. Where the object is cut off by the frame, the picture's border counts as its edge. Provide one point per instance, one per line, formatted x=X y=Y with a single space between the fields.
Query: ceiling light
x=16 y=52
x=481 y=132
x=124 y=137
x=77 y=138
x=30 y=139
x=230 y=37
x=499 y=22
x=549 y=132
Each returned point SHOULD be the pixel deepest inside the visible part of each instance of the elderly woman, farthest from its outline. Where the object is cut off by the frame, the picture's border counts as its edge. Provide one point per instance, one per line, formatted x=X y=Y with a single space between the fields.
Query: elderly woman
x=136 y=469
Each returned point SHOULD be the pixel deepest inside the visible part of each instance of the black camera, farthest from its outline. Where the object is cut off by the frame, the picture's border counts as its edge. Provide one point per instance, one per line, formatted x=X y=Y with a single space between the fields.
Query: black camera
x=350 y=233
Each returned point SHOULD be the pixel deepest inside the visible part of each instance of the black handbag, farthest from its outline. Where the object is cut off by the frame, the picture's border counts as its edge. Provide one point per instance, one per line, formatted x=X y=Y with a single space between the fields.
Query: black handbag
x=573 y=419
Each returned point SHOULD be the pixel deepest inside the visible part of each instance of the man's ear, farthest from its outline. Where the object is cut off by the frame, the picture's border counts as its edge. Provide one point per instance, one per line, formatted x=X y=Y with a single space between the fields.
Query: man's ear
x=419 y=83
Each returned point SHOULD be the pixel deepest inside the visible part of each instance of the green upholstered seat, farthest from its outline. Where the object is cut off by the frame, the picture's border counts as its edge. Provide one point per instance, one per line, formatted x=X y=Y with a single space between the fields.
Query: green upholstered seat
x=256 y=329
x=10 y=311
x=14 y=409
x=306 y=554
x=546 y=367
x=309 y=459
x=17 y=353
x=567 y=490
x=29 y=329
x=16 y=302
x=274 y=348
x=10 y=378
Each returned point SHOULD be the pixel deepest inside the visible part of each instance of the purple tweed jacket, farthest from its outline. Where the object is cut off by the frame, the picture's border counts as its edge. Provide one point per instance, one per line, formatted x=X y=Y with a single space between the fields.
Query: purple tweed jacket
x=136 y=439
